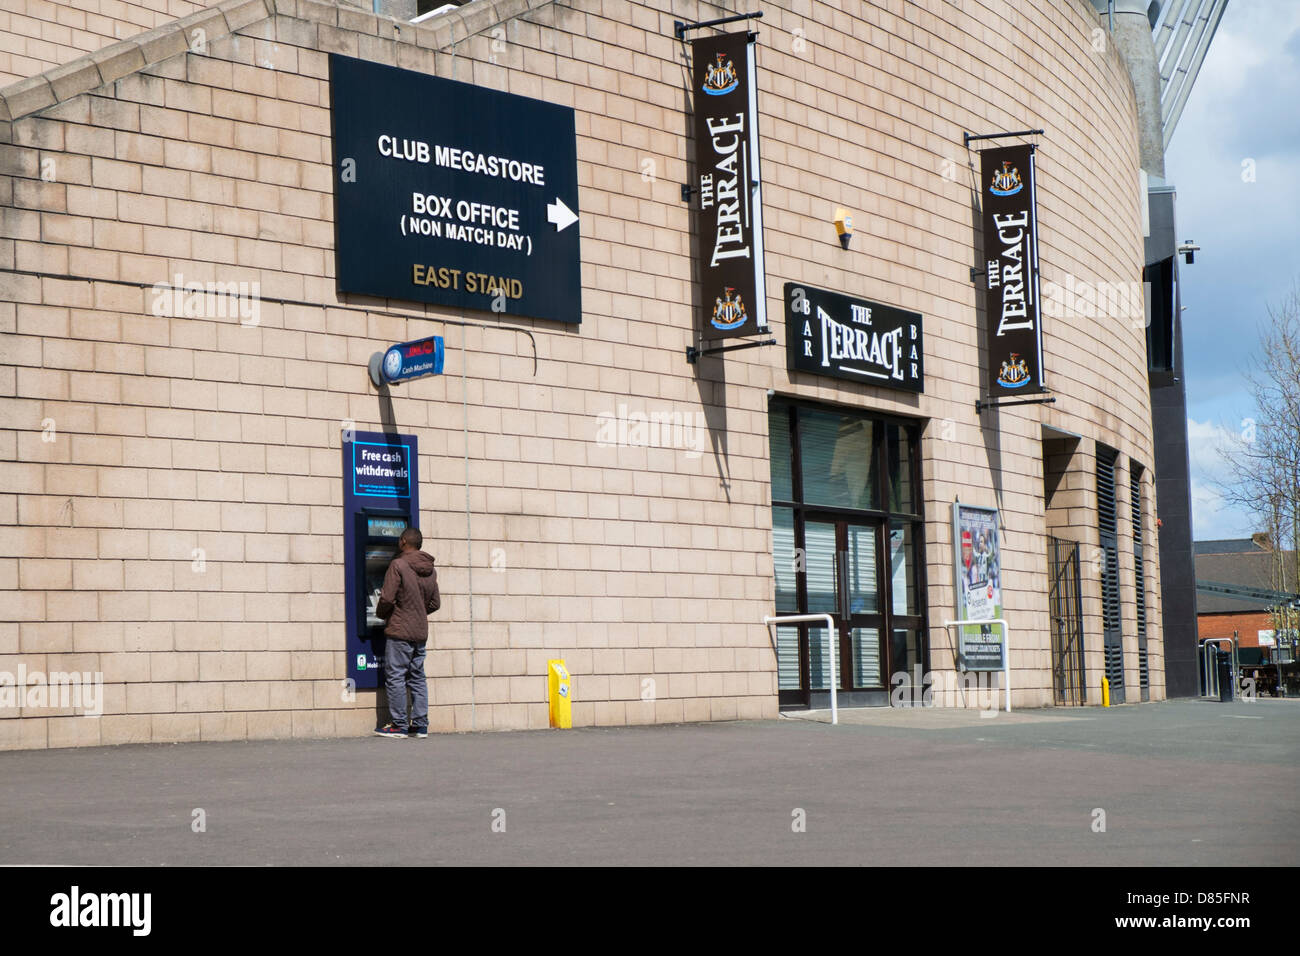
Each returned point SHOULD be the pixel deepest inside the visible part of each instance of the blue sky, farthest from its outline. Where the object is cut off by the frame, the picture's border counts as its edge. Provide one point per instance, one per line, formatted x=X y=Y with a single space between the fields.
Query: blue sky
x=1245 y=106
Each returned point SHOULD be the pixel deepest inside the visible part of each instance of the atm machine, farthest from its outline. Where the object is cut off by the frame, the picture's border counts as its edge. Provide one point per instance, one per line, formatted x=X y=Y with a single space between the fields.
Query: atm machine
x=380 y=499
x=377 y=532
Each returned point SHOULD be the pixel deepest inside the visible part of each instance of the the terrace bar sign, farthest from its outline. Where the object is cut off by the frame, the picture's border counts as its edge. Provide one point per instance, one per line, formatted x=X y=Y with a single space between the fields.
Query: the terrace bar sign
x=832 y=334
x=1015 y=335
x=729 y=221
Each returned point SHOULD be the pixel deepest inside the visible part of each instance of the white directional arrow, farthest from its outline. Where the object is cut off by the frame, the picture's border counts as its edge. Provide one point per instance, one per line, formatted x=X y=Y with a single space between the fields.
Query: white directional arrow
x=560 y=214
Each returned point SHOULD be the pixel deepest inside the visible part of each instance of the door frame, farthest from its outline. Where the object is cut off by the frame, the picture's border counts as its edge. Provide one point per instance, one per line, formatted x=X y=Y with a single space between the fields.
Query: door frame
x=842 y=617
x=884 y=521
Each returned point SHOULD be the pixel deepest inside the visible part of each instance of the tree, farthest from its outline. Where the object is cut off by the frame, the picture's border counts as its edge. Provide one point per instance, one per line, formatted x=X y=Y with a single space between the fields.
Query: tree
x=1264 y=458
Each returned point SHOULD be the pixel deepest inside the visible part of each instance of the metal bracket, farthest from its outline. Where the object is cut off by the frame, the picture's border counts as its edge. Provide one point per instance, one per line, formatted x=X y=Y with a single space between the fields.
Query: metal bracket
x=688 y=191
x=693 y=354
x=680 y=28
x=976 y=273
x=968 y=138
x=981 y=404
x=375 y=368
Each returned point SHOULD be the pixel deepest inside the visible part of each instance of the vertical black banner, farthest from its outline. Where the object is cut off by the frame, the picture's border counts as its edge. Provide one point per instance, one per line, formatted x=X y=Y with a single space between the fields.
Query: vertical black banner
x=729 y=218
x=1015 y=339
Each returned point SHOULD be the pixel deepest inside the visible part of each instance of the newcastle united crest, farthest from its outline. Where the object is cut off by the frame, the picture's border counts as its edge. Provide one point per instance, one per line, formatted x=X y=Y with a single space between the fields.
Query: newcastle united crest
x=1015 y=372
x=1006 y=181
x=729 y=310
x=720 y=77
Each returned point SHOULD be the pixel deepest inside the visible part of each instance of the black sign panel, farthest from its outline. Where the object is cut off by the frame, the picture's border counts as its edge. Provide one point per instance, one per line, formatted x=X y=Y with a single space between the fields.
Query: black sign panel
x=1015 y=339
x=453 y=194
x=729 y=220
x=827 y=333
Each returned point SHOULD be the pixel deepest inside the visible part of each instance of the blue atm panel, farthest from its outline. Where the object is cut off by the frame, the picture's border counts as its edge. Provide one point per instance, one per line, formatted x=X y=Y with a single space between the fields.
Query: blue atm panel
x=381 y=491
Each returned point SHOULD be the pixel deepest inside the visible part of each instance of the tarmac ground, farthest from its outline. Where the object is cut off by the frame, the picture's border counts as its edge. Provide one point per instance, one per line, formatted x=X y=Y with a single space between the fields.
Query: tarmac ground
x=1182 y=783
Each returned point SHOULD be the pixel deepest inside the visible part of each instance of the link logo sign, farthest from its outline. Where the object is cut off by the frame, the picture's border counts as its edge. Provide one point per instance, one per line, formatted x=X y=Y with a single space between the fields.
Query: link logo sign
x=453 y=194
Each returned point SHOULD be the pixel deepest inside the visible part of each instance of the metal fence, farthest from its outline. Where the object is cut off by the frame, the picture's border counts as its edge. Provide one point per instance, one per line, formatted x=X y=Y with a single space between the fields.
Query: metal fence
x=1066 y=609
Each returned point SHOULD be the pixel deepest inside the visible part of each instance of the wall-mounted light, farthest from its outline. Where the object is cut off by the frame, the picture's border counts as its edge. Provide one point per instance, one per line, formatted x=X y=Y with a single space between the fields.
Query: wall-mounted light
x=1188 y=250
x=844 y=227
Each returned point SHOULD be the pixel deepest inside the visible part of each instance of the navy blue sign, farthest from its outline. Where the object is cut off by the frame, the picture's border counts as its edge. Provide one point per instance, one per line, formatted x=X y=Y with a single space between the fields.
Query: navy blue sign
x=381 y=497
x=454 y=194
x=380 y=469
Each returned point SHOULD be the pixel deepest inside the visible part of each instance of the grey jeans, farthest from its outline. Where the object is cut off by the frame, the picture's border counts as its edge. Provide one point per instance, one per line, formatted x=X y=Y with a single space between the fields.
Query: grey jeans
x=404 y=671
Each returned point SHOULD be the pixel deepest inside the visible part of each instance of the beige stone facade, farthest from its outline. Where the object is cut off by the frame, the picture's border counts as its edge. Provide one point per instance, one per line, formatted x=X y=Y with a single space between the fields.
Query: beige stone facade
x=170 y=486
x=36 y=35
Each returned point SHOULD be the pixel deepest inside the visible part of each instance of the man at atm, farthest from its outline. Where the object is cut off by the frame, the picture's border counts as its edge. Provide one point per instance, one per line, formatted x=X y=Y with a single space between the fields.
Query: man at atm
x=408 y=597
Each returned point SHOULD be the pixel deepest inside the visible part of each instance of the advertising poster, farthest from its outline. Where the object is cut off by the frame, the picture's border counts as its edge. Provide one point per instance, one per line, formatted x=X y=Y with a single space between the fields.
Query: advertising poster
x=978 y=578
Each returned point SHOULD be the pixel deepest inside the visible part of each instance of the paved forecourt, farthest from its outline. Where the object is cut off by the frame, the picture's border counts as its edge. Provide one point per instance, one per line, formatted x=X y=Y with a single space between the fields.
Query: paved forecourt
x=1180 y=783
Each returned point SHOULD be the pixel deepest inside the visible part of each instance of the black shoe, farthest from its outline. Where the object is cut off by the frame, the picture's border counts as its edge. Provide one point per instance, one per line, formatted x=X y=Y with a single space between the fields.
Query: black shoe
x=418 y=732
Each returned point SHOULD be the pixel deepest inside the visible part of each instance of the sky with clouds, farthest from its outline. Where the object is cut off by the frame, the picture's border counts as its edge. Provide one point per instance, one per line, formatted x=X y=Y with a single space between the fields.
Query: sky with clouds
x=1242 y=117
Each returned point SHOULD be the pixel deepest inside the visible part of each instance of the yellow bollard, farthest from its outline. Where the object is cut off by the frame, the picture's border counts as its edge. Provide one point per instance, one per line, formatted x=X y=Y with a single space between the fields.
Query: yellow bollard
x=558 y=695
x=1105 y=692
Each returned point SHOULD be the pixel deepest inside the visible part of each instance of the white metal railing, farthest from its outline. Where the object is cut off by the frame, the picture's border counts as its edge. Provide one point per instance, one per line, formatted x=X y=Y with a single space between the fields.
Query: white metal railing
x=1006 y=648
x=768 y=621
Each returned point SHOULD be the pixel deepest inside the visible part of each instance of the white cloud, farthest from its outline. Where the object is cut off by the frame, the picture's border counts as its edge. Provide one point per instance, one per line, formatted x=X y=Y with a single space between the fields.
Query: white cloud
x=1248 y=36
x=1212 y=518
x=1204 y=441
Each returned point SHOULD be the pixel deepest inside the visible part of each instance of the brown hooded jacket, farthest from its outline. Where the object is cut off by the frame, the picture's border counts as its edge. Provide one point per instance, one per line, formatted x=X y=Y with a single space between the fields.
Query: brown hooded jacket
x=409 y=596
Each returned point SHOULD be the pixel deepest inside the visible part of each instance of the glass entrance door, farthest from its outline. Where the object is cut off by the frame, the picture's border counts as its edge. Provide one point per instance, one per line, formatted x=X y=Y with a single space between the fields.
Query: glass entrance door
x=844 y=580
x=848 y=535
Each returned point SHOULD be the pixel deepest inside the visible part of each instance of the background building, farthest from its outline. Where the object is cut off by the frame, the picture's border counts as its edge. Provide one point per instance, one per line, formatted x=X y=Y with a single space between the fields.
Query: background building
x=1239 y=594
x=172 y=500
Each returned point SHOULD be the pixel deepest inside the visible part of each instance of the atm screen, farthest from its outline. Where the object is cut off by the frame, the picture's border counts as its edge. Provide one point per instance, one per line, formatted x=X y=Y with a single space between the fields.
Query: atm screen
x=384 y=527
x=378 y=557
x=377 y=544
